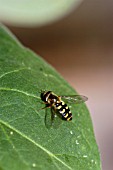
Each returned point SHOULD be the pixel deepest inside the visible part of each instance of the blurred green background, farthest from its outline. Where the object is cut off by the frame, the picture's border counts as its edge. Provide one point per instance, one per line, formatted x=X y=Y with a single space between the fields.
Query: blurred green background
x=80 y=47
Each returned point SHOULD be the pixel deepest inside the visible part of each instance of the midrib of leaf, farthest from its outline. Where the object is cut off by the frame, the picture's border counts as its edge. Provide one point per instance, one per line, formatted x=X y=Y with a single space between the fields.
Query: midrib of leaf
x=12 y=144
x=36 y=144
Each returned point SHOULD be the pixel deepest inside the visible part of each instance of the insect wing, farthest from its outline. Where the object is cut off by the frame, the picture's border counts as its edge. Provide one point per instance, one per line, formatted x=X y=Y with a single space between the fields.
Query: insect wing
x=77 y=99
x=48 y=118
x=57 y=119
x=51 y=119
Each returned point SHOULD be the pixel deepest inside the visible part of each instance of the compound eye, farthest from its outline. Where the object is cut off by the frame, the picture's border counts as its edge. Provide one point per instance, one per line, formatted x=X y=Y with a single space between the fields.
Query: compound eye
x=42 y=96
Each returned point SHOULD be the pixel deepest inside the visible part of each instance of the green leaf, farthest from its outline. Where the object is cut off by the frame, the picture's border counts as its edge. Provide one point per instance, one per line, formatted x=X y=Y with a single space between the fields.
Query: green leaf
x=25 y=142
x=34 y=13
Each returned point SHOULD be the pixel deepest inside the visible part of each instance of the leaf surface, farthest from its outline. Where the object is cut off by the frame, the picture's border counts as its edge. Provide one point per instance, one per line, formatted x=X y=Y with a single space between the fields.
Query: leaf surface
x=25 y=142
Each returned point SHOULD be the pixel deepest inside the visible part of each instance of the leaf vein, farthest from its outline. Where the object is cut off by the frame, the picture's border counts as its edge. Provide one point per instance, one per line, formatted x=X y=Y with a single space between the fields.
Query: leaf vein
x=19 y=91
x=38 y=145
x=8 y=138
x=13 y=71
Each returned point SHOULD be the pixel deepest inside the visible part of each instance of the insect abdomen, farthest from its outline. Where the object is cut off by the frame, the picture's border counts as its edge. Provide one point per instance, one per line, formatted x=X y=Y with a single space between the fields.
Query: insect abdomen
x=64 y=110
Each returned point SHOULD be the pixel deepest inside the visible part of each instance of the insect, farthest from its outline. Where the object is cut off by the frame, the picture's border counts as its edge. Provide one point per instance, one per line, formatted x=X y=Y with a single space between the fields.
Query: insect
x=58 y=107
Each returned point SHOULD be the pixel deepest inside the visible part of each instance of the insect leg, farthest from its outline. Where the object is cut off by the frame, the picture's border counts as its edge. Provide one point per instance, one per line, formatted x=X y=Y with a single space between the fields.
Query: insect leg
x=46 y=106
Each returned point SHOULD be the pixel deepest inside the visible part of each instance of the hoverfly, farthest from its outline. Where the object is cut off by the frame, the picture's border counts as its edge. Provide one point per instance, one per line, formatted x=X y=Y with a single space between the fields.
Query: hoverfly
x=58 y=107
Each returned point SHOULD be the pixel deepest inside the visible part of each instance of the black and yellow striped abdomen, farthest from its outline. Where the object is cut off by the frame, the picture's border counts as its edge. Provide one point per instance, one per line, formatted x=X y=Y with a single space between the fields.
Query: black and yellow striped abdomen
x=63 y=110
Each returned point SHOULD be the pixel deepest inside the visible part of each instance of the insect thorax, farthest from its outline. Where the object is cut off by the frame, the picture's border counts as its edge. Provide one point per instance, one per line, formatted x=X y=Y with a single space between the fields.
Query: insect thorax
x=49 y=97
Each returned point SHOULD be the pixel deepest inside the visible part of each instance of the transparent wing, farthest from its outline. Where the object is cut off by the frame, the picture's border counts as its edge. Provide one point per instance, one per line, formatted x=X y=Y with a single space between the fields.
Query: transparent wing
x=48 y=120
x=51 y=119
x=57 y=119
x=77 y=99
